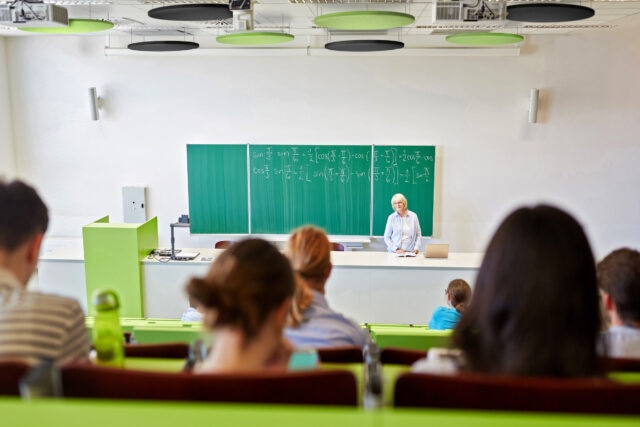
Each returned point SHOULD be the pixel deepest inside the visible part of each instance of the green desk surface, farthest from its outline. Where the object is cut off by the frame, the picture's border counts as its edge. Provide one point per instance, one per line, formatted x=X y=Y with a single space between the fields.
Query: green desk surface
x=393 y=325
x=156 y=330
x=625 y=377
x=414 y=338
x=110 y=413
x=186 y=333
x=154 y=364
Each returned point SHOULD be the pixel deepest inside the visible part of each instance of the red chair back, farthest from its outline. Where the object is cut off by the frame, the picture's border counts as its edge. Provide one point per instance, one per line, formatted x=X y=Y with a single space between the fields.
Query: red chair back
x=337 y=246
x=11 y=371
x=342 y=354
x=478 y=391
x=172 y=350
x=223 y=244
x=401 y=356
x=619 y=364
x=327 y=387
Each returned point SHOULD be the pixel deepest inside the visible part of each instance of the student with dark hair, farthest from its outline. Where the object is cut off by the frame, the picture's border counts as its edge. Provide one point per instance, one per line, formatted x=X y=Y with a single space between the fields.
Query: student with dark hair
x=535 y=308
x=246 y=297
x=619 y=281
x=33 y=326
x=458 y=294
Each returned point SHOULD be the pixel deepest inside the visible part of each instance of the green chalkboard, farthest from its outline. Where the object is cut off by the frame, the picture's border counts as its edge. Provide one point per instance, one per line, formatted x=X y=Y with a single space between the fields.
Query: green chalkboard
x=293 y=185
x=271 y=189
x=408 y=170
x=218 y=191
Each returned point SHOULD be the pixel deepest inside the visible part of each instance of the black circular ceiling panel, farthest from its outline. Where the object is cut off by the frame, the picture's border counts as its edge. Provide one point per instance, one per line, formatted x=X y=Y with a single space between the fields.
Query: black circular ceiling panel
x=192 y=12
x=548 y=12
x=364 y=45
x=163 y=46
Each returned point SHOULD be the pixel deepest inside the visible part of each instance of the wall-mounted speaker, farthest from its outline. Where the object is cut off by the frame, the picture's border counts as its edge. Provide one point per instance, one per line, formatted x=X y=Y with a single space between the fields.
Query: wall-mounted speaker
x=94 y=103
x=533 y=105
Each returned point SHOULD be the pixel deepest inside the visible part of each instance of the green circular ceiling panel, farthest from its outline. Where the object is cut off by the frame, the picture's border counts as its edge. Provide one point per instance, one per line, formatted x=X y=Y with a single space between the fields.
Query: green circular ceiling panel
x=249 y=38
x=484 y=39
x=364 y=20
x=75 y=26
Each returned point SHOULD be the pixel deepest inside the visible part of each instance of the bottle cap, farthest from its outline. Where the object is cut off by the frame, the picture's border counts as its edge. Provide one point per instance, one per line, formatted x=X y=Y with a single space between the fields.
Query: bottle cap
x=105 y=299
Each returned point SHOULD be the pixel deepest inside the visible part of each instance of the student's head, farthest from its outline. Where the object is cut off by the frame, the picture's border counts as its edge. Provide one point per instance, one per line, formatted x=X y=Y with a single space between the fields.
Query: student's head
x=535 y=307
x=23 y=222
x=309 y=250
x=246 y=285
x=459 y=294
x=619 y=278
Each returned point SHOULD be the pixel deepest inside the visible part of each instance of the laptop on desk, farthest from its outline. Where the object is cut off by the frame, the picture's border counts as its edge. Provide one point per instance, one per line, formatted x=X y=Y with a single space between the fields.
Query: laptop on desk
x=186 y=256
x=436 y=250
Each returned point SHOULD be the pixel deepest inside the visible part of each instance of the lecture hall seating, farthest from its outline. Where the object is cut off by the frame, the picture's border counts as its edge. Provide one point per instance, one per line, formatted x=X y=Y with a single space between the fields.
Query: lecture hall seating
x=492 y=392
x=10 y=373
x=327 y=387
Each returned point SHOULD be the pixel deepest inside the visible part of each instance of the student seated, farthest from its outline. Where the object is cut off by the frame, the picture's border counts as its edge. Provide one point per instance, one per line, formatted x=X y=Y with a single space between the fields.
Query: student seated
x=535 y=307
x=193 y=313
x=458 y=294
x=33 y=326
x=619 y=281
x=246 y=297
x=313 y=323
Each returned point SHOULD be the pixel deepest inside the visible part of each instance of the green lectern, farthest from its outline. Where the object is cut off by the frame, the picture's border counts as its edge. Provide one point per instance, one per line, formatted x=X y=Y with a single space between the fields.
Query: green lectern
x=112 y=260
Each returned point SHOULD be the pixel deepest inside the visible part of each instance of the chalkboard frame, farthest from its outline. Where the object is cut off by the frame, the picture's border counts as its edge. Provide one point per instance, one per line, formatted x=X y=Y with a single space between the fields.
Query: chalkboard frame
x=408 y=163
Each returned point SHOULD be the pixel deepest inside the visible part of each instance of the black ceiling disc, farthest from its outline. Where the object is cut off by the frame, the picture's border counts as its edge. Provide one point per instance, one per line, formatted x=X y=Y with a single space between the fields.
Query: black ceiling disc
x=192 y=12
x=364 y=45
x=163 y=46
x=548 y=12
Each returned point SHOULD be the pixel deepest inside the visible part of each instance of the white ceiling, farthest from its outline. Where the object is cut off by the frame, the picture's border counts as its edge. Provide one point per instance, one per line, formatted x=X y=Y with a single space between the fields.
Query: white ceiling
x=132 y=23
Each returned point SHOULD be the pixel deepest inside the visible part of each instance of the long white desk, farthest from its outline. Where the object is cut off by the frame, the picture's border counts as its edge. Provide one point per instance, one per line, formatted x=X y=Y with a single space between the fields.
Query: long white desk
x=373 y=287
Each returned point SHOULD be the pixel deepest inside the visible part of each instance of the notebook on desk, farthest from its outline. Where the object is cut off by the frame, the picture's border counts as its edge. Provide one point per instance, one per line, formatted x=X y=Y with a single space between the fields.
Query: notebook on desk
x=406 y=254
x=436 y=250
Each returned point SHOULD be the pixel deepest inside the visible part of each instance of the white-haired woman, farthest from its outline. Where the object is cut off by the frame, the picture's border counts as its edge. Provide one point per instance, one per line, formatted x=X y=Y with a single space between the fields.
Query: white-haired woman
x=402 y=233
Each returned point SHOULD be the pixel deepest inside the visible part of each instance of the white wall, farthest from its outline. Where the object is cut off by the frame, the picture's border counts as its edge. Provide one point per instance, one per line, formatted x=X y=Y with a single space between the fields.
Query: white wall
x=7 y=156
x=583 y=154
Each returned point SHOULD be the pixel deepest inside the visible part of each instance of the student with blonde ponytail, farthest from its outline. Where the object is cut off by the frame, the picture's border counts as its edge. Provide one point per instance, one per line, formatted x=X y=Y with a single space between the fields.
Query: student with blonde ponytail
x=312 y=322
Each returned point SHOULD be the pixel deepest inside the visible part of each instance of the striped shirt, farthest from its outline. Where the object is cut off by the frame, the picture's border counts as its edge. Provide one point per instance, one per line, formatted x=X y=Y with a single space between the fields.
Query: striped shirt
x=36 y=326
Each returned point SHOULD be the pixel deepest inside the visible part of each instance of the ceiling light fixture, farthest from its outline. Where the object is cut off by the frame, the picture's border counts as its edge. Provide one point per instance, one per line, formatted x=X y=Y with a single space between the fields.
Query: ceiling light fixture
x=75 y=26
x=484 y=39
x=163 y=46
x=192 y=12
x=364 y=45
x=249 y=38
x=363 y=20
x=548 y=12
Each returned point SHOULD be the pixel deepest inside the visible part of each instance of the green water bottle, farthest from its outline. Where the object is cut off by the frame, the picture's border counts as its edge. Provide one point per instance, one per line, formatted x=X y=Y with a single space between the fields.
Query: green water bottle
x=107 y=333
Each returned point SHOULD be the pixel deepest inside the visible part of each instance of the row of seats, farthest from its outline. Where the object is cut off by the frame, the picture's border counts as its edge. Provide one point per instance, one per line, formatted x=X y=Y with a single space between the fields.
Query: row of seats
x=339 y=386
x=224 y=244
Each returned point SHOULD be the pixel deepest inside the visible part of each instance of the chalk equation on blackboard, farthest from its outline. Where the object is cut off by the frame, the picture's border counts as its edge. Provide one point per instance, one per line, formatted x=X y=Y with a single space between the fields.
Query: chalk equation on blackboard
x=315 y=155
x=310 y=164
x=307 y=173
x=394 y=156
x=402 y=166
x=397 y=176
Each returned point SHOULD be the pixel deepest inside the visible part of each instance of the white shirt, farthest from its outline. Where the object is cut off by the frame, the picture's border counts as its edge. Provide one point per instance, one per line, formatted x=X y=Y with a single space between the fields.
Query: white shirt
x=622 y=341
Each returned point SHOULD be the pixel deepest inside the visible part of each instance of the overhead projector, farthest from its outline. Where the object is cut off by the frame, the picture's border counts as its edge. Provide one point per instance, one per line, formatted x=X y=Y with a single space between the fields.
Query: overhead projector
x=37 y=14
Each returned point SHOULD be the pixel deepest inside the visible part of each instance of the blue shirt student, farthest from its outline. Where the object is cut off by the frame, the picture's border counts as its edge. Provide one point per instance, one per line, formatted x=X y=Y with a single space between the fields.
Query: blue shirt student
x=444 y=318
